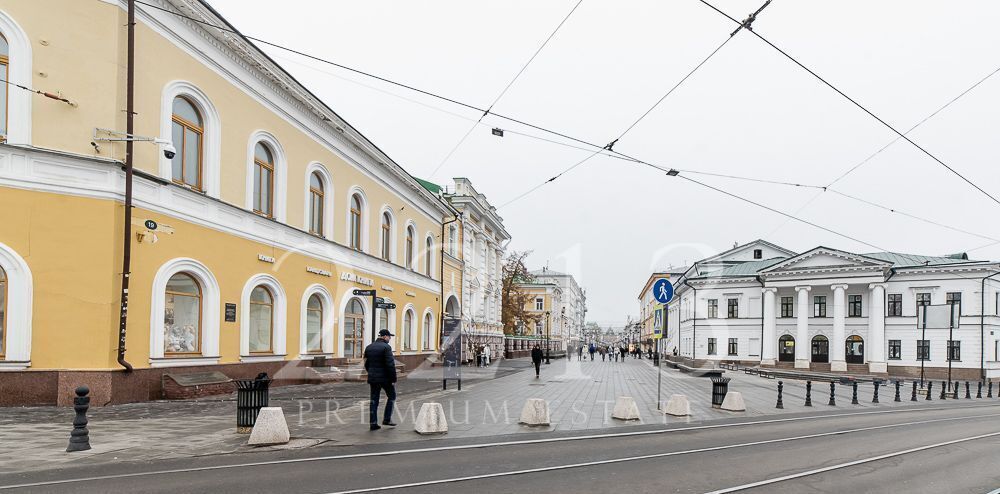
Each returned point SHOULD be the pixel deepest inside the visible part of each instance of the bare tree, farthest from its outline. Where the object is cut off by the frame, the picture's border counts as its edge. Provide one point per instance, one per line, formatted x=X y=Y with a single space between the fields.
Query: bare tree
x=514 y=300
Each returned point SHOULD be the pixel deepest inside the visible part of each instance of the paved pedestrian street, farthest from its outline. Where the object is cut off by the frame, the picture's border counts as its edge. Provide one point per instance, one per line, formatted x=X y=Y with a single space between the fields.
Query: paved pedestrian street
x=581 y=397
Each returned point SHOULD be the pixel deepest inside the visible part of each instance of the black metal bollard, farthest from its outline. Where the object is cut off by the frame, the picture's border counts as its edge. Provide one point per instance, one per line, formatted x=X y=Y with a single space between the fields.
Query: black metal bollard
x=875 y=395
x=897 y=392
x=955 y=391
x=780 y=404
x=79 y=439
x=854 y=393
x=930 y=385
x=968 y=395
x=809 y=387
x=944 y=394
x=989 y=390
x=833 y=391
x=913 y=396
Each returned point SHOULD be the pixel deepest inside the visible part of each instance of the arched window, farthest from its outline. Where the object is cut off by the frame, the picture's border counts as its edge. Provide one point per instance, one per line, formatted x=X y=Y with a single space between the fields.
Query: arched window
x=187 y=133
x=428 y=260
x=314 y=324
x=383 y=320
x=261 y=320
x=409 y=247
x=386 y=236
x=427 y=331
x=355 y=239
x=354 y=329
x=182 y=316
x=263 y=181
x=316 y=200
x=5 y=73
x=3 y=311
x=408 y=330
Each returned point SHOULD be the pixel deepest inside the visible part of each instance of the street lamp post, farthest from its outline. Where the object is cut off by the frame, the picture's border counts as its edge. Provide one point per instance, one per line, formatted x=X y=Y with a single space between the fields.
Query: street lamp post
x=548 y=331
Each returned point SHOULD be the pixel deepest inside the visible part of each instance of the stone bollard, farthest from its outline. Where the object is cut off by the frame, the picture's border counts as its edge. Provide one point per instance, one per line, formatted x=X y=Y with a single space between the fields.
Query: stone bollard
x=79 y=439
x=833 y=394
x=625 y=409
x=270 y=428
x=875 y=395
x=734 y=402
x=897 y=392
x=780 y=404
x=854 y=393
x=678 y=406
x=913 y=396
x=979 y=389
x=535 y=412
x=968 y=396
x=431 y=419
x=809 y=387
x=930 y=386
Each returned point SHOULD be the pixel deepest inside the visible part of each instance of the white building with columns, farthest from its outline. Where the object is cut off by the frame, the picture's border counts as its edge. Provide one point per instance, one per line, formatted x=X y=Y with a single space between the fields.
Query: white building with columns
x=570 y=314
x=834 y=311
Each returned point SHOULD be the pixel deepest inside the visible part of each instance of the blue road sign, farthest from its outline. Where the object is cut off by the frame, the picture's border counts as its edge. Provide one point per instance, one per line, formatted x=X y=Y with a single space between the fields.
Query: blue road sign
x=663 y=291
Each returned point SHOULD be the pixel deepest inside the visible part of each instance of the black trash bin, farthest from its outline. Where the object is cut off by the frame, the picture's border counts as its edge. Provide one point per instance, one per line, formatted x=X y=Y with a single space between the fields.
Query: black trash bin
x=720 y=386
x=251 y=396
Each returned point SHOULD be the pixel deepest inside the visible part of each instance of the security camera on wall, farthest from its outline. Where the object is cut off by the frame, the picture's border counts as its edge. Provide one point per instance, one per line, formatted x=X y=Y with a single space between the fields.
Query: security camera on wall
x=169 y=151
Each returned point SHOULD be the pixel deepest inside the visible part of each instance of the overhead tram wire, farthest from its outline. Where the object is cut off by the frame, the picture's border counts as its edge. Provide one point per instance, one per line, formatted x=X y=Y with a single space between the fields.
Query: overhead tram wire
x=859 y=105
x=610 y=146
x=600 y=149
x=504 y=91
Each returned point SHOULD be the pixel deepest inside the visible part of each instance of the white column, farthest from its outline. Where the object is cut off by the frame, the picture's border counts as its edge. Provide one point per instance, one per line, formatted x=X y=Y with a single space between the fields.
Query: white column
x=769 y=345
x=875 y=346
x=837 y=362
x=802 y=329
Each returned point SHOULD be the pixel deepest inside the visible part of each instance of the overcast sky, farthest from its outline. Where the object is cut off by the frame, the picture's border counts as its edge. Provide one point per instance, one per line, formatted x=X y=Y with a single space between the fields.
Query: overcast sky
x=749 y=111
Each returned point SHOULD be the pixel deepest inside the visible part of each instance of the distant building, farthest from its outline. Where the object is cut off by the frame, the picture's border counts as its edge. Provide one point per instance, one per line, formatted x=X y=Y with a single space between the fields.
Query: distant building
x=830 y=310
x=647 y=311
x=571 y=313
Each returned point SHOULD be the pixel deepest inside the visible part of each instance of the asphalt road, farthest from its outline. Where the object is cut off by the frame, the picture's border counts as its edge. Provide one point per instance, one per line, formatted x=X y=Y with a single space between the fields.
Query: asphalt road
x=944 y=448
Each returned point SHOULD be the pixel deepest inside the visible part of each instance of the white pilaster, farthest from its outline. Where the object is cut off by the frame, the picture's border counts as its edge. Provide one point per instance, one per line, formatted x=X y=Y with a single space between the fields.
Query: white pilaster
x=876 y=329
x=802 y=328
x=769 y=345
x=837 y=362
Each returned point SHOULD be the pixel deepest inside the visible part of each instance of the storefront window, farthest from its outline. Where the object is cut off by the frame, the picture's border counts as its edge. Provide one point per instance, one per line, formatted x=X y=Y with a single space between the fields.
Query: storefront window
x=182 y=316
x=314 y=325
x=261 y=320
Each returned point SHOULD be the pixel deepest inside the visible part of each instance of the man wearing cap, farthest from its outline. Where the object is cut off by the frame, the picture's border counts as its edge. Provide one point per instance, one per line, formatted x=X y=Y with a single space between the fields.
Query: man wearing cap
x=381 y=368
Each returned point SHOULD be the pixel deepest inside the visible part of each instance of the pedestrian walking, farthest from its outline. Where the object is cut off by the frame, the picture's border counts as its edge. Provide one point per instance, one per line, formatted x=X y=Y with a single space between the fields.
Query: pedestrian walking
x=592 y=349
x=602 y=353
x=536 y=358
x=487 y=354
x=624 y=353
x=579 y=353
x=381 y=368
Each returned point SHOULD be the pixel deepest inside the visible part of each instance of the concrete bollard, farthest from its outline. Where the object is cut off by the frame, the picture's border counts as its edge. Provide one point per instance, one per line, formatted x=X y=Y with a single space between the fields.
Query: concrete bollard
x=535 y=412
x=270 y=428
x=780 y=404
x=79 y=439
x=431 y=419
x=625 y=409
x=678 y=406
x=734 y=402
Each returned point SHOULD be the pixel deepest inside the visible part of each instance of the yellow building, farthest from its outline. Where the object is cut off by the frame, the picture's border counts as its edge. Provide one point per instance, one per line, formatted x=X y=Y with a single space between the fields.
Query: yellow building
x=546 y=318
x=648 y=307
x=271 y=212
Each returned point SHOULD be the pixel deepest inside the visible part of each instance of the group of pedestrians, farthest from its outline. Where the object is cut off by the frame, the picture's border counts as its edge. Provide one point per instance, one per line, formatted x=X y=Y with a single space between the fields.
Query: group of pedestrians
x=608 y=353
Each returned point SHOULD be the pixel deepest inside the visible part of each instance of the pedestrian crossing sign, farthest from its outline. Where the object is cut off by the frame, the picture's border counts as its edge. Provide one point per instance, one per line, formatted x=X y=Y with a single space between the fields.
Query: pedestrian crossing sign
x=658 y=326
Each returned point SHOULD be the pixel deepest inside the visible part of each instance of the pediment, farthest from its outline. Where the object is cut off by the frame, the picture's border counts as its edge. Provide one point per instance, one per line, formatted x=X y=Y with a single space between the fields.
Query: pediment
x=822 y=258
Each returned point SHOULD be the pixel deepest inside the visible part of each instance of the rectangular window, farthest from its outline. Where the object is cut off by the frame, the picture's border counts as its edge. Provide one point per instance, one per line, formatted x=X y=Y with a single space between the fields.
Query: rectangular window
x=713 y=307
x=854 y=306
x=895 y=307
x=733 y=347
x=819 y=306
x=711 y=346
x=733 y=310
x=954 y=351
x=922 y=300
x=955 y=298
x=787 y=307
x=923 y=349
x=895 y=349
x=539 y=303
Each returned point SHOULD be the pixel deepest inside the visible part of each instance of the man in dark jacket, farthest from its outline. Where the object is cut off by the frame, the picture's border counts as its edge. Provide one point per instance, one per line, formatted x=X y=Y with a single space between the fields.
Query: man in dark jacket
x=536 y=358
x=381 y=368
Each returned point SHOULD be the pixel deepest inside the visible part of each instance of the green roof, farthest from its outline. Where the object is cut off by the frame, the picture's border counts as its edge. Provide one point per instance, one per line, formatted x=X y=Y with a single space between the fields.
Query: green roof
x=907 y=260
x=432 y=187
x=749 y=268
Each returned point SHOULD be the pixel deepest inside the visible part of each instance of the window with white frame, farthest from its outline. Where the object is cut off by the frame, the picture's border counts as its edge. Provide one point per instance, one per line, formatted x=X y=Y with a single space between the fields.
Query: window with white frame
x=539 y=303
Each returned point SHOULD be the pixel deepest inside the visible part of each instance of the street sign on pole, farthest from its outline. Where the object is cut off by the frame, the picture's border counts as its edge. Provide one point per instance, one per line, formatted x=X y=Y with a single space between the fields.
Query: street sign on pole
x=663 y=291
x=364 y=293
x=385 y=305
